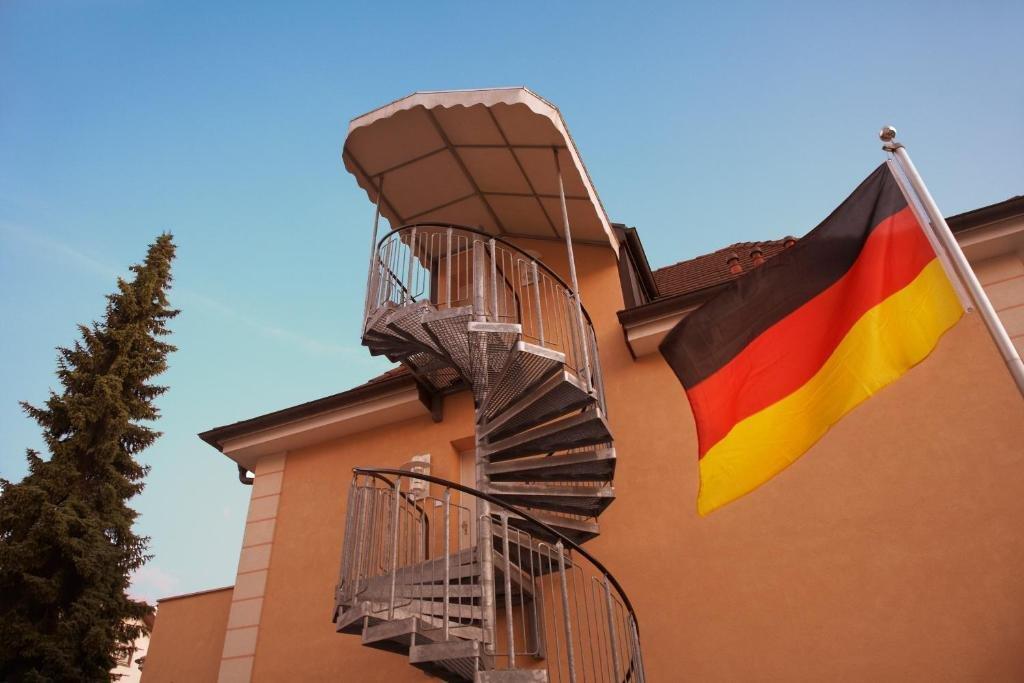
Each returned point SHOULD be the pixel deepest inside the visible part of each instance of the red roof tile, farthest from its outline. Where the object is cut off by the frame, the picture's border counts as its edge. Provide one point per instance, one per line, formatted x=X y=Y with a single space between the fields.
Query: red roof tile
x=712 y=269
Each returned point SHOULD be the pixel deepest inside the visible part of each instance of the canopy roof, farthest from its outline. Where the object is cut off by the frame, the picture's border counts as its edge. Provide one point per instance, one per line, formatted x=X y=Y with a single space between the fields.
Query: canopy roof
x=484 y=158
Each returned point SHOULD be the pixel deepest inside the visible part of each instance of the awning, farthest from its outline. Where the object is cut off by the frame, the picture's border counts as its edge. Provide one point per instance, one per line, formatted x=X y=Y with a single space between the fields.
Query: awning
x=483 y=158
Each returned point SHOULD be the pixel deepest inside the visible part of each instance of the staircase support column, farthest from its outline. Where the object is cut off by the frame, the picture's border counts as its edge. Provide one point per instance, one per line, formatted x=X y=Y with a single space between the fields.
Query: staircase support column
x=484 y=550
x=580 y=327
x=373 y=251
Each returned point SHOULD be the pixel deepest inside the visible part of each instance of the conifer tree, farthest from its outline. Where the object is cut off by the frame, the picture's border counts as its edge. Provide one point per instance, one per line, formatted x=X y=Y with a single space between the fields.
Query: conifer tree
x=67 y=548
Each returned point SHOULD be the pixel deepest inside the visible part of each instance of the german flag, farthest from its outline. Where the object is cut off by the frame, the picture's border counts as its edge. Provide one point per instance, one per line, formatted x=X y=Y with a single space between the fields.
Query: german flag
x=791 y=347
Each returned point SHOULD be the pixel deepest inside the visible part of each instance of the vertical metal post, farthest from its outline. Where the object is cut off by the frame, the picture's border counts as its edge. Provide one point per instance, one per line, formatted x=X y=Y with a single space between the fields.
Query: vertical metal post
x=612 y=636
x=509 y=622
x=535 y=279
x=478 y=280
x=494 y=281
x=412 y=260
x=638 y=656
x=448 y=265
x=447 y=560
x=373 y=251
x=364 y=533
x=484 y=551
x=394 y=547
x=572 y=271
x=945 y=236
x=570 y=651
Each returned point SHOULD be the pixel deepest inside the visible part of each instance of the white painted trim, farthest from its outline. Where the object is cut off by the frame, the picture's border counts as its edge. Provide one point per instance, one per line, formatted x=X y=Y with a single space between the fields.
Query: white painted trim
x=401 y=405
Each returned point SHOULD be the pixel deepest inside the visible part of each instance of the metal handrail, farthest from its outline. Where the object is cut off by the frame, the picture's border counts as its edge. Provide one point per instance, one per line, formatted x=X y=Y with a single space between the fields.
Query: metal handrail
x=468 y=228
x=457 y=266
x=379 y=472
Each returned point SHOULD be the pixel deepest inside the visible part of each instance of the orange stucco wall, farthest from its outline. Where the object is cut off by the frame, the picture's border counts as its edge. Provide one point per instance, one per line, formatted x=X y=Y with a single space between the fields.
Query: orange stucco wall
x=891 y=551
x=187 y=638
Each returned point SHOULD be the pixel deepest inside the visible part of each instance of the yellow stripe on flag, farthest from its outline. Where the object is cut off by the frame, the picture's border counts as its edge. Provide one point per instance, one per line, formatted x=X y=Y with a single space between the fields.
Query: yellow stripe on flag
x=884 y=343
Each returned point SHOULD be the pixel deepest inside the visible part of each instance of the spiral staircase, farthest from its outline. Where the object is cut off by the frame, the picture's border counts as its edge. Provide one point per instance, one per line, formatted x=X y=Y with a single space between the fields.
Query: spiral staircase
x=462 y=309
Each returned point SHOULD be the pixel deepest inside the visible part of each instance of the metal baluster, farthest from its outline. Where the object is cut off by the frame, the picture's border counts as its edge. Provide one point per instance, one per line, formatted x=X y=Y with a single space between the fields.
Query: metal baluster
x=569 y=649
x=509 y=622
x=448 y=272
x=447 y=559
x=535 y=279
x=616 y=664
x=412 y=258
x=478 y=280
x=486 y=573
x=373 y=248
x=394 y=547
x=494 y=281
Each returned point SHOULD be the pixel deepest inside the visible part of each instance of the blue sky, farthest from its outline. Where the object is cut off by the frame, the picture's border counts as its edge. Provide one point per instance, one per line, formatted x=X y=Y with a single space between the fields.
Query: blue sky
x=222 y=122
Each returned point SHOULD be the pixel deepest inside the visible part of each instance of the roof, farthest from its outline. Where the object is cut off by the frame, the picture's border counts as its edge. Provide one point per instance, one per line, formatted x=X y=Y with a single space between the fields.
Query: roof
x=711 y=269
x=488 y=158
x=395 y=378
x=976 y=218
x=195 y=593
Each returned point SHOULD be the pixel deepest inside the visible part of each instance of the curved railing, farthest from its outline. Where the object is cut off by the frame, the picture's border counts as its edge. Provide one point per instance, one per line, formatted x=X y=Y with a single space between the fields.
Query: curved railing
x=555 y=606
x=455 y=266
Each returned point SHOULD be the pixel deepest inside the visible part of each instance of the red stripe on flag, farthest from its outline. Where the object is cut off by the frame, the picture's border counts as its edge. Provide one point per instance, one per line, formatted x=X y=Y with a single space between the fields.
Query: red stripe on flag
x=788 y=354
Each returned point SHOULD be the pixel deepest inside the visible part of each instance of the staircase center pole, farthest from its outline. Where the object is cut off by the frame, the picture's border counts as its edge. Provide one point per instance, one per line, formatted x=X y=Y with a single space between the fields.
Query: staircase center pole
x=484 y=551
x=580 y=328
x=483 y=508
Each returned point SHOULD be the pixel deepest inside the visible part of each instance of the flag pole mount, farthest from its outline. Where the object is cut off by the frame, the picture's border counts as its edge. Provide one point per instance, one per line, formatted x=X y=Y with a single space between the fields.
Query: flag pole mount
x=940 y=229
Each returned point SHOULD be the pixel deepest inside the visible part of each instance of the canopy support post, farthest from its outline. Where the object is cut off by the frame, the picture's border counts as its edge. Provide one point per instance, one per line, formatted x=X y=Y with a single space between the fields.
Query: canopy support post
x=580 y=327
x=373 y=250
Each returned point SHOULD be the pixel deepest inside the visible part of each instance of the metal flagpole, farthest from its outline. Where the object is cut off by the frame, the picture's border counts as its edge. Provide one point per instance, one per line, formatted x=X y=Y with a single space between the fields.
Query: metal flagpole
x=940 y=229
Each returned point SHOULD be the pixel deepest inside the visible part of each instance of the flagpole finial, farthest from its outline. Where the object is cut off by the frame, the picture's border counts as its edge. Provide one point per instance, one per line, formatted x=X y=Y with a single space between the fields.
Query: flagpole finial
x=887 y=134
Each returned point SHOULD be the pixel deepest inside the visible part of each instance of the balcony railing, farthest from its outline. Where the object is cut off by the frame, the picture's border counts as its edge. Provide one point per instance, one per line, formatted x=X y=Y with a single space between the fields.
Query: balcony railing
x=452 y=266
x=556 y=608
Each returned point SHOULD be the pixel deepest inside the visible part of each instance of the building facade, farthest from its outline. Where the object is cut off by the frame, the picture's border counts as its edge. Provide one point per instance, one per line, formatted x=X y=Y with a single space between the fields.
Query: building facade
x=890 y=552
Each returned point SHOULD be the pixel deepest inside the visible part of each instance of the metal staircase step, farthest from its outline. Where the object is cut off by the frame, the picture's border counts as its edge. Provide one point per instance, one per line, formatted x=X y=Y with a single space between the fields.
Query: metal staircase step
x=593 y=464
x=435 y=371
x=462 y=613
x=489 y=348
x=577 y=528
x=522 y=582
x=512 y=676
x=527 y=366
x=460 y=565
x=535 y=557
x=460 y=659
x=351 y=619
x=446 y=650
x=406 y=322
x=436 y=591
x=448 y=330
x=587 y=428
x=559 y=394
x=396 y=635
x=579 y=500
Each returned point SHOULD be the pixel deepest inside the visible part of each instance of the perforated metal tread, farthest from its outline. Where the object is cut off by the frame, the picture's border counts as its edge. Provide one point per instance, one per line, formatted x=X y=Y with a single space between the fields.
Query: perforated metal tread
x=407 y=322
x=448 y=329
x=489 y=347
x=527 y=366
